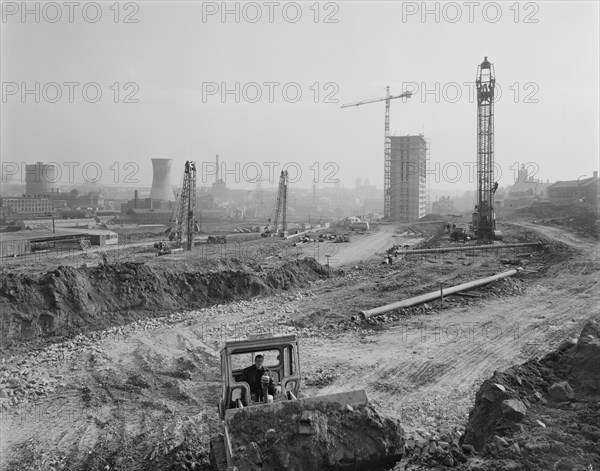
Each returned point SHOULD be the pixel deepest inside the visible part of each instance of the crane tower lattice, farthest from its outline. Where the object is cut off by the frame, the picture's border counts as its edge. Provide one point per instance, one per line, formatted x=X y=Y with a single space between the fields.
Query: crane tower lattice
x=484 y=219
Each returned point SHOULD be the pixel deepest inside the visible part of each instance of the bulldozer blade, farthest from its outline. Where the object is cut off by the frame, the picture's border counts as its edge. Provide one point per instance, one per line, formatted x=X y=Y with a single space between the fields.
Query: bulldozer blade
x=301 y=435
x=355 y=398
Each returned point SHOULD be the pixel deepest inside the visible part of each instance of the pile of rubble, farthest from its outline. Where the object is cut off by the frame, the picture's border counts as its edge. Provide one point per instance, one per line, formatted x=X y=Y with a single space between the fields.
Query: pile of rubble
x=314 y=435
x=320 y=377
x=22 y=384
x=441 y=448
x=544 y=414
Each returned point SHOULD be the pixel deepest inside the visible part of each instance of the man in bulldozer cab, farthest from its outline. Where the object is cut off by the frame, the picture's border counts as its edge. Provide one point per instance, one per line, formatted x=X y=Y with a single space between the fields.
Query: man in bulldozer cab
x=260 y=380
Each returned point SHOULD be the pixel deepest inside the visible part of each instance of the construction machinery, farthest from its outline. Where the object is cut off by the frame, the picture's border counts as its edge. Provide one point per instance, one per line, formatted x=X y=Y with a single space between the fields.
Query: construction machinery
x=387 y=177
x=218 y=239
x=183 y=225
x=162 y=248
x=280 y=208
x=459 y=234
x=484 y=218
x=296 y=421
x=342 y=238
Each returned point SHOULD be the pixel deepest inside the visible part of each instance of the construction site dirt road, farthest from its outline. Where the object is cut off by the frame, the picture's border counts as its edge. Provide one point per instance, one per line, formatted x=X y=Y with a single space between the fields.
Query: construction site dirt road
x=363 y=246
x=143 y=395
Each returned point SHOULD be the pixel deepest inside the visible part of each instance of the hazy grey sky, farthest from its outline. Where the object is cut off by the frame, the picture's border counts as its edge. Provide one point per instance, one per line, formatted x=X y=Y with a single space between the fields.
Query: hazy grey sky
x=179 y=57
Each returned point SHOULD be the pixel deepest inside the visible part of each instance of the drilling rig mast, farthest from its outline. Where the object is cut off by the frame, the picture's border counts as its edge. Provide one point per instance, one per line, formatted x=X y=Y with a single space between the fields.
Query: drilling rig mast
x=387 y=175
x=186 y=207
x=281 y=208
x=484 y=217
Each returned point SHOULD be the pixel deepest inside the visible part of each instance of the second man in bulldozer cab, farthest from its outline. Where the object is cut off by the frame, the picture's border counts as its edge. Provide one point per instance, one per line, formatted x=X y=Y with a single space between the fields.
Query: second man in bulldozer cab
x=259 y=379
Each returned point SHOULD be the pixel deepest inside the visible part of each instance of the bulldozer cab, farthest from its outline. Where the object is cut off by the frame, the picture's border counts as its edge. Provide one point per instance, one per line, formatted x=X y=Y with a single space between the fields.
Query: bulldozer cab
x=281 y=358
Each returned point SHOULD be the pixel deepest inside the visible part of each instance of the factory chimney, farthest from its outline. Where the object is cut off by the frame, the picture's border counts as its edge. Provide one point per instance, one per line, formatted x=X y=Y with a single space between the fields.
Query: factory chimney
x=135 y=199
x=217 y=173
x=162 y=189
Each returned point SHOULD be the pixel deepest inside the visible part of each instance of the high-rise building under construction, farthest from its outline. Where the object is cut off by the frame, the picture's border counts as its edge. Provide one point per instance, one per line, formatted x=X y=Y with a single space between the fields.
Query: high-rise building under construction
x=408 y=190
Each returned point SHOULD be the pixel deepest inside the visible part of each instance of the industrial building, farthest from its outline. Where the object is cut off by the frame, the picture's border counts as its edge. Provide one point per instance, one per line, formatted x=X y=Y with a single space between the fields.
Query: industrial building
x=525 y=191
x=151 y=216
x=585 y=190
x=20 y=243
x=32 y=206
x=408 y=191
x=50 y=224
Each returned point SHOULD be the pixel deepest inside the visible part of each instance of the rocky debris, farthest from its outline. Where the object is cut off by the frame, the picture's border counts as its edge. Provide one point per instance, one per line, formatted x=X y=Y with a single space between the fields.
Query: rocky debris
x=584 y=361
x=513 y=409
x=314 y=435
x=561 y=392
x=320 y=378
x=22 y=382
x=515 y=427
x=441 y=447
x=24 y=391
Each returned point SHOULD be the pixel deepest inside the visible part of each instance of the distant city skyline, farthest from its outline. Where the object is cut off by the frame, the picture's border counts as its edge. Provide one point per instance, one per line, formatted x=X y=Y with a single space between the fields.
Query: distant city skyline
x=184 y=84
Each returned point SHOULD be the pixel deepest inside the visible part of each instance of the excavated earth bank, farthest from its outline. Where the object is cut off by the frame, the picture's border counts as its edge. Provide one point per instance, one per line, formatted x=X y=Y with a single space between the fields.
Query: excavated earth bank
x=68 y=300
x=541 y=415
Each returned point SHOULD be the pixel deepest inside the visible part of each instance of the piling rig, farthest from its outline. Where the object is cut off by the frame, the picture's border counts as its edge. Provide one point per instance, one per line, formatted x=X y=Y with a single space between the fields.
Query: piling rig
x=281 y=209
x=484 y=217
x=183 y=224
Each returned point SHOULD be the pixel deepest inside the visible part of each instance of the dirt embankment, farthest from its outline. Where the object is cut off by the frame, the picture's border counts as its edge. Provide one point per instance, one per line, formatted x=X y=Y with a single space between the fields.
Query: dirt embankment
x=70 y=300
x=543 y=414
x=579 y=218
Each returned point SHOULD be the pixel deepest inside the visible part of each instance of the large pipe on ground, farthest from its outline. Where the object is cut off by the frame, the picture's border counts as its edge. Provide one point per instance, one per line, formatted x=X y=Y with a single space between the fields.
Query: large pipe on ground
x=470 y=247
x=433 y=295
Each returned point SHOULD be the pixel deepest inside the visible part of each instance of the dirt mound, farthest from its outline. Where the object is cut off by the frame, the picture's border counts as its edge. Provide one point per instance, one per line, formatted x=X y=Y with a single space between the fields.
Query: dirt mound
x=68 y=300
x=543 y=414
x=315 y=436
x=583 y=218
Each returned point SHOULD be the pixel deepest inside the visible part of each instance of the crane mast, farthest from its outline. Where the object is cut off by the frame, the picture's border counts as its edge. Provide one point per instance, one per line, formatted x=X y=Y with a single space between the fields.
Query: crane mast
x=484 y=219
x=387 y=171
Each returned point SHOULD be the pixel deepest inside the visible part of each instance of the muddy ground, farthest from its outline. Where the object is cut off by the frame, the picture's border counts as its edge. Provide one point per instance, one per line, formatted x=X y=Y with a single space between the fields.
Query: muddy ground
x=142 y=395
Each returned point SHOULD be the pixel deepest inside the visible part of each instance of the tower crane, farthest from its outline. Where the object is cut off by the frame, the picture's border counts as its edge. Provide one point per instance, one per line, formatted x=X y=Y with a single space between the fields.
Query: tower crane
x=387 y=177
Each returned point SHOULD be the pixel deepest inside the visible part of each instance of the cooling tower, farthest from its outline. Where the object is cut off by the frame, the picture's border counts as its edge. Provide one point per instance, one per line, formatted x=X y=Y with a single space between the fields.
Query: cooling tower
x=161 y=180
x=40 y=179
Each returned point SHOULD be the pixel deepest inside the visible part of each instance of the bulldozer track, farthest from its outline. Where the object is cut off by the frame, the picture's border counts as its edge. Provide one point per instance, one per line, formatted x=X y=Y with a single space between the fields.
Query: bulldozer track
x=218 y=457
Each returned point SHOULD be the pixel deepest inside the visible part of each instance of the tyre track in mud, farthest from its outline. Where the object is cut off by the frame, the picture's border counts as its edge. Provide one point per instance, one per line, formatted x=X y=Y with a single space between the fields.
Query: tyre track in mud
x=423 y=364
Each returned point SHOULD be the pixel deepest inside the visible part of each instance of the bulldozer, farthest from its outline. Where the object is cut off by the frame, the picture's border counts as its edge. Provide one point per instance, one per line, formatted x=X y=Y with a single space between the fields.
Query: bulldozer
x=259 y=431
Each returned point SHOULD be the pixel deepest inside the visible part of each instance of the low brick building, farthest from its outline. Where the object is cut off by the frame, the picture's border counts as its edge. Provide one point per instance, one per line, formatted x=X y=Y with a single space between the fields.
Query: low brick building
x=585 y=190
